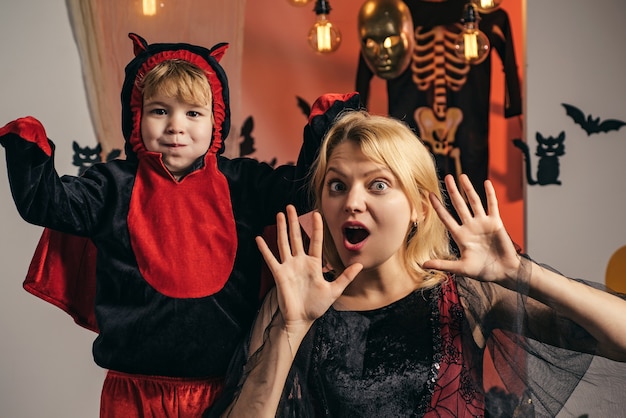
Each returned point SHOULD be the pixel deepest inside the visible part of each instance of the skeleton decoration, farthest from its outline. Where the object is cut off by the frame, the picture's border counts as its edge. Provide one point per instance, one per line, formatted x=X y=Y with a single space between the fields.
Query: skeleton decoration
x=436 y=67
x=446 y=100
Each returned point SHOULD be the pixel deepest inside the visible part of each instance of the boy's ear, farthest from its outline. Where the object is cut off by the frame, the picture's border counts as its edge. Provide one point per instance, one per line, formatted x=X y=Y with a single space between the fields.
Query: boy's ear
x=219 y=50
x=139 y=44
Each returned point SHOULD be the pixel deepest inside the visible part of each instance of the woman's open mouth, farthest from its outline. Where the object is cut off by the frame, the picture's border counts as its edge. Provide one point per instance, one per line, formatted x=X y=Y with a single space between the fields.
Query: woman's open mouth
x=355 y=234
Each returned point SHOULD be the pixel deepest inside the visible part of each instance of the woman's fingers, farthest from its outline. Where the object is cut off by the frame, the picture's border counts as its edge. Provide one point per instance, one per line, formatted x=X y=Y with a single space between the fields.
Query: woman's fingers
x=443 y=213
x=345 y=278
x=457 y=199
x=317 y=236
x=295 y=235
x=472 y=196
x=492 y=199
x=282 y=239
x=289 y=236
x=267 y=254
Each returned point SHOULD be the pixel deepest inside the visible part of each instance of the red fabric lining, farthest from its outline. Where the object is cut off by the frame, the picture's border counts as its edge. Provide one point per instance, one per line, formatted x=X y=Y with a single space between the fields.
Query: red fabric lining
x=73 y=259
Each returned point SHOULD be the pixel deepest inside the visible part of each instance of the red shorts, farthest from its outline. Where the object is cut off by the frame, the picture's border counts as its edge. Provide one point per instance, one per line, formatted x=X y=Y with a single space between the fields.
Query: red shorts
x=138 y=396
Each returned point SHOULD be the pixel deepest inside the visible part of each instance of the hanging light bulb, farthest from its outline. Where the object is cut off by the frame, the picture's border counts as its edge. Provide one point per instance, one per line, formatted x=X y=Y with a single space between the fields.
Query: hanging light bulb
x=299 y=3
x=487 y=6
x=472 y=45
x=324 y=37
x=149 y=7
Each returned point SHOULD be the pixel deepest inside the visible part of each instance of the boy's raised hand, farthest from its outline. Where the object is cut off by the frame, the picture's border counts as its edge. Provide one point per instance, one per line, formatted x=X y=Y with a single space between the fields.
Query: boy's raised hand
x=303 y=293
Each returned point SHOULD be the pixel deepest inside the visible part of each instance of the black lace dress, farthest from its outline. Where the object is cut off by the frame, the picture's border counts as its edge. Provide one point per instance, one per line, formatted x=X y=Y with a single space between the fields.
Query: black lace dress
x=424 y=356
x=363 y=360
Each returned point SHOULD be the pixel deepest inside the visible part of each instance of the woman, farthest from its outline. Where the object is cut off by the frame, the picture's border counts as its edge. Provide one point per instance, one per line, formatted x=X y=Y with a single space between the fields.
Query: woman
x=402 y=327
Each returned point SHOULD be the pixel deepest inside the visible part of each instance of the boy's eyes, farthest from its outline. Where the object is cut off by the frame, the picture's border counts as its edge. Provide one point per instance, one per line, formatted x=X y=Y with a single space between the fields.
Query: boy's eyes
x=162 y=112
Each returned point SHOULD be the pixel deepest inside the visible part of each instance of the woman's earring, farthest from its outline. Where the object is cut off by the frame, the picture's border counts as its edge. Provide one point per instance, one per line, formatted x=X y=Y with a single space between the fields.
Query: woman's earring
x=413 y=231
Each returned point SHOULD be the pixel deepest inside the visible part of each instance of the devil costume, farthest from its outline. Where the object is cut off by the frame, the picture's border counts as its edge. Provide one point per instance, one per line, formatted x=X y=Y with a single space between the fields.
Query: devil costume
x=176 y=266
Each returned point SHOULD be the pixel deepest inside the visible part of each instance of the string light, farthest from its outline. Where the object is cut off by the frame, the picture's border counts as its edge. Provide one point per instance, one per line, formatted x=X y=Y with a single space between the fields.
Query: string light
x=299 y=3
x=324 y=37
x=149 y=7
x=472 y=44
x=487 y=6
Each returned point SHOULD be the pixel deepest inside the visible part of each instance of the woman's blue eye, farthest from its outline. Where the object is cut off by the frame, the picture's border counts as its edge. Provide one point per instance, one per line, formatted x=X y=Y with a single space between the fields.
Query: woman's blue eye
x=379 y=186
x=336 y=186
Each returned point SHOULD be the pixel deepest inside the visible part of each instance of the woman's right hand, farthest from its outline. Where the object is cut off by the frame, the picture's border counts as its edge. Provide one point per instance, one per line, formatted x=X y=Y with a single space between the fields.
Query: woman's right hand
x=303 y=293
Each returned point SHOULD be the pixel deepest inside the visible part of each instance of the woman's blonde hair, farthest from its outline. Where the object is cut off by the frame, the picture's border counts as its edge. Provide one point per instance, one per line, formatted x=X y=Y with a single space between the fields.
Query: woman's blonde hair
x=179 y=79
x=392 y=143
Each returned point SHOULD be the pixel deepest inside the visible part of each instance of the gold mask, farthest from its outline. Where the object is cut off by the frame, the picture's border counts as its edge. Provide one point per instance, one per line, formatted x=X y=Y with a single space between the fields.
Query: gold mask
x=386 y=33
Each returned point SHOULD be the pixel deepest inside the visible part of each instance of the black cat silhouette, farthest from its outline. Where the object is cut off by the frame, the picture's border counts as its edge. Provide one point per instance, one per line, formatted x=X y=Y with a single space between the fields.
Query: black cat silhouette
x=85 y=157
x=549 y=149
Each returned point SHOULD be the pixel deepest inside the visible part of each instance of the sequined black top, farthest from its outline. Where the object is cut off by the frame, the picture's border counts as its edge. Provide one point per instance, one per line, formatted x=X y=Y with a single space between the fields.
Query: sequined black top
x=375 y=363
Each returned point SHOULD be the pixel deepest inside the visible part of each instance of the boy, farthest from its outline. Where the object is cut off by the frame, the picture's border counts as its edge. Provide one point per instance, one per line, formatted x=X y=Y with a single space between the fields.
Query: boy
x=177 y=270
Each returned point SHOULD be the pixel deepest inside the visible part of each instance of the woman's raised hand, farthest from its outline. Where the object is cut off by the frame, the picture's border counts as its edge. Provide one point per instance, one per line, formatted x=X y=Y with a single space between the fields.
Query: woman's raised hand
x=303 y=293
x=487 y=252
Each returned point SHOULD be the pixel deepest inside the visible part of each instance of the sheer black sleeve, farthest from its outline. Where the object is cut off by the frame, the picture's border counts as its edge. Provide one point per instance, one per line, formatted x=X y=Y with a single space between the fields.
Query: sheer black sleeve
x=545 y=360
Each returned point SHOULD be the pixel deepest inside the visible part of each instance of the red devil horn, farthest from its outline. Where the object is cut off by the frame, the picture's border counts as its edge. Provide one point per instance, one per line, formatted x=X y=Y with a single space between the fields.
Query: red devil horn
x=218 y=51
x=139 y=44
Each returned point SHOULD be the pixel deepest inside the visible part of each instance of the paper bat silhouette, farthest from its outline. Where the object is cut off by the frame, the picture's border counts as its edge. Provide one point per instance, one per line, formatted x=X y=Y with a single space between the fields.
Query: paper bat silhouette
x=304 y=106
x=247 y=145
x=589 y=124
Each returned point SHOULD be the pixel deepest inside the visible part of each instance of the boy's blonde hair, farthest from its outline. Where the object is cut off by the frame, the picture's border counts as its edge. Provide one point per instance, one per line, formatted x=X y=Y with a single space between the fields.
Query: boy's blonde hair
x=392 y=143
x=178 y=79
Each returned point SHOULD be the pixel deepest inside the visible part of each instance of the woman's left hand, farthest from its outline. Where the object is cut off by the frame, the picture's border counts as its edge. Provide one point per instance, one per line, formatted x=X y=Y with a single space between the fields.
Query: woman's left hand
x=487 y=252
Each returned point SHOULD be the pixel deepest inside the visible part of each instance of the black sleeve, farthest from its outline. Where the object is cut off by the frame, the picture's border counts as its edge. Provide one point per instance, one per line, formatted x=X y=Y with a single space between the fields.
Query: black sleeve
x=68 y=204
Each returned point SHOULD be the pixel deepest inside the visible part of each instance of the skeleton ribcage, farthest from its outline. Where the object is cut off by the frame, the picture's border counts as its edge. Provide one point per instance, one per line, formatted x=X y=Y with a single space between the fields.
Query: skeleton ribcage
x=435 y=65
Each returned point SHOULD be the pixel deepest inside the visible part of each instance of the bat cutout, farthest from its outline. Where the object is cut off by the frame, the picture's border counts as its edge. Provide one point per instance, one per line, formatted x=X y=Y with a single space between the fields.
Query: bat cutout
x=247 y=145
x=589 y=124
x=304 y=106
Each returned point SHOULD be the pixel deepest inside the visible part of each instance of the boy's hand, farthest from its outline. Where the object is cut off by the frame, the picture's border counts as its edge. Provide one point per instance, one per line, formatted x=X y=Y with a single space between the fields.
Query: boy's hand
x=29 y=129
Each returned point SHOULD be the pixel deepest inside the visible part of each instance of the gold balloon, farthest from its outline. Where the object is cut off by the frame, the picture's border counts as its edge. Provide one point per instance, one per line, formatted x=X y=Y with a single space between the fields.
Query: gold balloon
x=386 y=34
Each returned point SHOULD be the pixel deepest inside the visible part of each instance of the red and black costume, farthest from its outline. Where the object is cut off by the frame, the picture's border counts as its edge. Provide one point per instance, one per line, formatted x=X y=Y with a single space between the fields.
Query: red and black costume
x=177 y=269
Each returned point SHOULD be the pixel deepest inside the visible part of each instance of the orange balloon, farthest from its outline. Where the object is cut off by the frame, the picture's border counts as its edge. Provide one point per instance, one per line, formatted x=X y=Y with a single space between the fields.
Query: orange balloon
x=616 y=271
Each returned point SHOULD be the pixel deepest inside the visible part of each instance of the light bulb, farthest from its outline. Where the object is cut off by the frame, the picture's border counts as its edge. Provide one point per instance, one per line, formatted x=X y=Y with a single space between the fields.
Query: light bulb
x=299 y=3
x=487 y=6
x=472 y=45
x=324 y=37
x=149 y=7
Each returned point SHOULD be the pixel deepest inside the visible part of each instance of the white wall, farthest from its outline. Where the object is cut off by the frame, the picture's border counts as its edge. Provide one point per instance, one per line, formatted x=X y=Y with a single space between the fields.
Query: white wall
x=46 y=369
x=576 y=55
